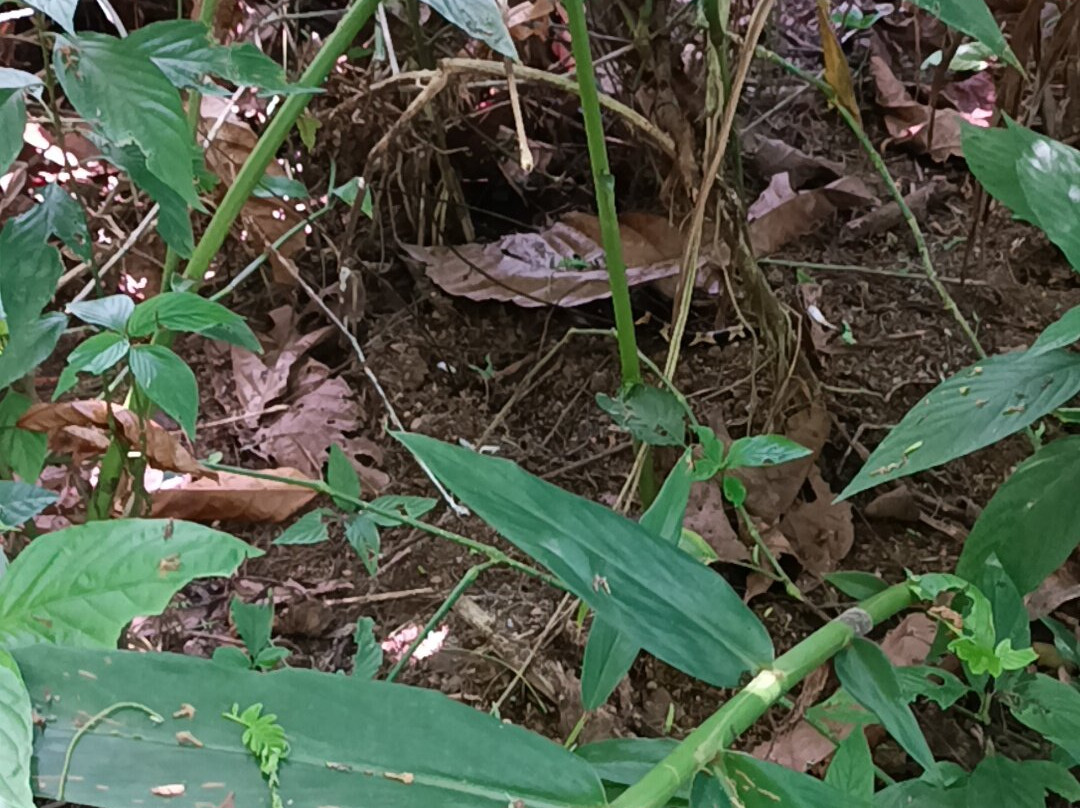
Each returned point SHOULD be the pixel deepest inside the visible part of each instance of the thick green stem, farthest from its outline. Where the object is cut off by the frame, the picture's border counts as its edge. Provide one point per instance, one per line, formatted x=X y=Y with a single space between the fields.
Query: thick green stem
x=282 y=123
x=749 y=704
x=604 y=184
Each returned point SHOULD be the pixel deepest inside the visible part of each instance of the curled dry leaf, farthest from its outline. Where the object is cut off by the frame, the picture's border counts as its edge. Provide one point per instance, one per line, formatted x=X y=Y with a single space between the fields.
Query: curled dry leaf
x=910 y=641
x=81 y=428
x=820 y=531
x=1060 y=587
x=705 y=516
x=233 y=498
x=264 y=220
x=529 y=19
x=772 y=157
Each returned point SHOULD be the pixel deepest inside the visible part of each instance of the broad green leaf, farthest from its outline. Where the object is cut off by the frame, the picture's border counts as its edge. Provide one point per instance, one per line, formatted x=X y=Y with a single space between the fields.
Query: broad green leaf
x=992 y=155
x=852 y=767
x=16 y=736
x=1051 y=708
x=648 y=589
x=31 y=268
x=174 y=217
x=308 y=529
x=937 y=685
x=12 y=126
x=480 y=19
x=29 y=346
x=970 y=57
x=110 y=312
x=866 y=673
x=1062 y=333
x=347 y=192
x=711 y=461
x=855 y=584
x=273 y=186
x=82 y=585
x=354 y=743
x=708 y=792
x=1064 y=640
x=978 y=406
x=695 y=546
x=21 y=452
x=65 y=218
x=973 y=18
x=1019 y=784
x=363 y=535
x=94 y=356
x=12 y=79
x=841 y=708
x=342 y=477
x=734 y=491
x=369 y=654
x=231 y=657
x=21 y=502
x=650 y=415
x=912 y=793
x=168 y=382
x=763 y=450
x=246 y=65
x=760 y=784
x=63 y=11
x=624 y=761
x=413 y=507
x=1011 y=619
x=1030 y=522
x=189 y=312
x=120 y=92
x=609 y=654
x=253 y=622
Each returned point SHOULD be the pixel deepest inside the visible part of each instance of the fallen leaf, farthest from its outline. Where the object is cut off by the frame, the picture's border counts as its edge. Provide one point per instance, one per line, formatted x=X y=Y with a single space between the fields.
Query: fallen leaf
x=795 y=743
x=837 y=72
x=910 y=641
x=783 y=215
x=308 y=618
x=81 y=428
x=705 y=516
x=774 y=157
x=897 y=505
x=234 y=498
x=820 y=531
x=1059 y=587
x=529 y=19
x=264 y=220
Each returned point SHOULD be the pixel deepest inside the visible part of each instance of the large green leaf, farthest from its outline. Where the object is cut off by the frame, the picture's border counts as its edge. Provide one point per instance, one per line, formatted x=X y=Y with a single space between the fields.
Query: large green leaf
x=12 y=125
x=761 y=784
x=63 y=11
x=972 y=17
x=1051 y=708
x=480 y=19
x=20 y=502
x=1061 y=333
x=648 y=589
x=21 y=452
x=29 y=346
x=911 y=793
x=353 y=743
x=65 y=219
x=978 y=406
x=868 y=676
x=852 y=767
x=110 y=312
x=1019 y=783
x=31 y=267
x=168 y=382
x=129 y=100
x=624 y=761
x=186 y=311
x=93 y=356
x=992 y=155
x=16 y=737
x=609 y=654
x=1030 y=523
x=82 y=585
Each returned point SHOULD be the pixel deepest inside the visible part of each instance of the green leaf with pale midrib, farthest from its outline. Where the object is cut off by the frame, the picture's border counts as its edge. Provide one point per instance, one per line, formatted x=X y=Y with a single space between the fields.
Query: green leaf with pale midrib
x=648 y=589
x=16 y=737
x=972 y=17
x=82 y=585
x=457 y=757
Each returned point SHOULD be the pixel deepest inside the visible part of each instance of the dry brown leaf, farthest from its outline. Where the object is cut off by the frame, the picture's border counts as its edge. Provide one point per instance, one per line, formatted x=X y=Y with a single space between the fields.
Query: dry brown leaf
x=910 y=641
x=529 y=19
x=264 y=220
x=795 y=743
x=82 y=428
x=837 y=72
x=783 y=216
x=898 y=505
x=234 y=498
x=705 y=516
x=1059 y=587
x=821 y=532
x=774 y=157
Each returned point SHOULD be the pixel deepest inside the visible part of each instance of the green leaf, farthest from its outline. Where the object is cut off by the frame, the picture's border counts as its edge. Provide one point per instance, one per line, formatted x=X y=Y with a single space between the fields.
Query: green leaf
x=31 y=268
x=1010 y=616
x=852 y=767
x=354 y=743
x=763 y=450
x=12 y=126
x=342 y=477
x=63 y=11
x=94 y=356
x=348 y=191
x=253 y=623
x=369 y=654
x=696 y=547
x=734 y=491
x=1030 y=522
x=21 y=502
x=1018 y=784
x=992 y=155
x=110 y=312
x=609 y=654
x=232 y=657
x=973 y=18
x=977 y=407
x=1062 y=333
x=80 y=586
x=650 y=415
x=65 y=219
x=308 y=529
x=181 y=49
x=273 y=186
x=970 y=57
x=412 y=507
x=711 y=461
x=935 y=684
x=911 y=793
x=706 y=791
x=189 y=312
x=1064 y=640
x=645 y=587
x=855 y=584
x=16 y=736
x=480 y=19
x=21 y=452
x=1051 y=708
x=866 y=673
x=124 y=95
x=168 y=382
x=760 y=784
x=247 y=66
x=363 y=535
x=29 y=346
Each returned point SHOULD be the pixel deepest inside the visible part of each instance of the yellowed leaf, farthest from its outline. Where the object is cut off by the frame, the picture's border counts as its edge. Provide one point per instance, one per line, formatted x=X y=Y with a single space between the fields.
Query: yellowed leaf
x=837 y=72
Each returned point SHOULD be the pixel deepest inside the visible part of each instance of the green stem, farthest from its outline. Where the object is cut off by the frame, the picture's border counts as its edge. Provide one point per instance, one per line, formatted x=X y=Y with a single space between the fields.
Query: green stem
x=467 y=580
x=749 y=704
x=93 y=721
x=267 y=147
x=495 y=555
x=604 y=183
x=755 y=534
